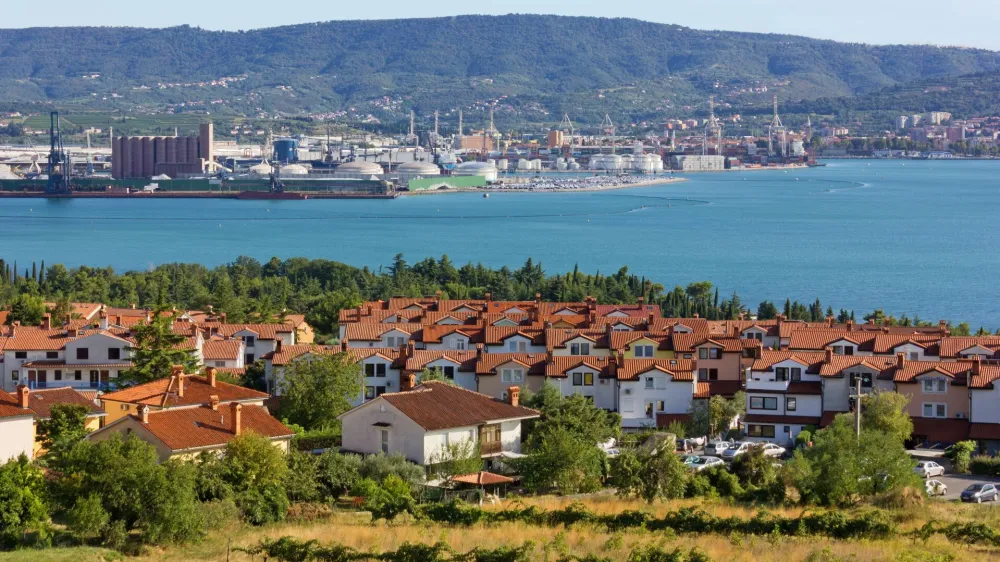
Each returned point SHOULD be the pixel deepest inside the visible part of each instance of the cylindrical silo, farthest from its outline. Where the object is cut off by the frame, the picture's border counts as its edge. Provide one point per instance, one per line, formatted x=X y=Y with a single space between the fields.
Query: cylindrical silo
x=147 y=157
x=192 y=147
x=116 y=157
x=126 y=166
x=136 y=160
x=171 y=149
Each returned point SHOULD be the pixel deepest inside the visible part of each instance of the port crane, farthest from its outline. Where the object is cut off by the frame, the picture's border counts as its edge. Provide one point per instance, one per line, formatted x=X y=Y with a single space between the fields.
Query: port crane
x=59 y=166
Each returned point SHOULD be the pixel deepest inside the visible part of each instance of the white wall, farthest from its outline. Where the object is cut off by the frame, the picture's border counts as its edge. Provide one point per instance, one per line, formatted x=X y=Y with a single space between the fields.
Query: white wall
x=985 y=405
x=676 y=397
x=361 y=436
x=594 y=352
x=97 y=350
x=602 y=393
x=506 y=347
x=466 y=380
x=18 y=437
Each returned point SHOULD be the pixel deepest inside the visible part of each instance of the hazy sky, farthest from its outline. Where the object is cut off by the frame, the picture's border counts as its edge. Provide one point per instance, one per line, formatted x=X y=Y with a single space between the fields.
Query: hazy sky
x=970 y=23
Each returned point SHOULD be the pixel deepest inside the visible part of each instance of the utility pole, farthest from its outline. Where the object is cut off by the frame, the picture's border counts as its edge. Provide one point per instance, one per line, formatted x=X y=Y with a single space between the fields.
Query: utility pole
x=857 y=407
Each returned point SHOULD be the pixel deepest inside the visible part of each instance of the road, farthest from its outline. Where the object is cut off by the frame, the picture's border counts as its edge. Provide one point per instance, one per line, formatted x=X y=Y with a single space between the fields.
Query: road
x=958 y=482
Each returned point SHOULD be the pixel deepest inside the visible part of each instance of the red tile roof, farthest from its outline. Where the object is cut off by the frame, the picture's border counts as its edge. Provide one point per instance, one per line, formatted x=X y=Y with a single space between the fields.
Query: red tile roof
x=958 y=371
x=434 y=333
x=197 y=390
x=374 y=332
x=562 y=366
x=984 y=376
x=464 y=360
x=193 y=428
x=811 y=360
x=679 y=369
x=497 y=335
x=10 y=407
x=558 y=337
x=220 y=350
x=290 y=352
x=534 y=362
x=435 y=405
x=951 y=347
x=29 y=338
x=483 y=478
x=41 y=401
x=721 y=388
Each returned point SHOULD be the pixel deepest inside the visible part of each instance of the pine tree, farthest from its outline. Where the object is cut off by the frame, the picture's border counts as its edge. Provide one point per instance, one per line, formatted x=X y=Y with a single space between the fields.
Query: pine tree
x=156 y=348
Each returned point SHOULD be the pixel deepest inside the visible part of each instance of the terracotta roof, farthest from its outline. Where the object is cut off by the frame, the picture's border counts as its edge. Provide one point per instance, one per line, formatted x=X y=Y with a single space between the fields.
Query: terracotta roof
x=533 y=362
x=464 y=360
x=29 y=338
x=984 y=376
x=722 y=388
x=219 y=350
x=686 y=343
x=703 y=390
x=951 y=347
x=958 y=371
x=766 y=418
x=290 y=352
x=841 y=363
x=263 y=331
x=886 y=343
x=620 y=339
x=497 y=335
x=231 y=371
x=197 y=390
x=10 y=407
x=482 y=478
x=818 y=340
x=679 y=369
x=374 y=332
x=562 y=366
x=810 y=360
x=192 y=428
x=697 y=325
x=433 y=334
x=41 y=401
x=558 y=337
x=987 y=431
x=435 y=405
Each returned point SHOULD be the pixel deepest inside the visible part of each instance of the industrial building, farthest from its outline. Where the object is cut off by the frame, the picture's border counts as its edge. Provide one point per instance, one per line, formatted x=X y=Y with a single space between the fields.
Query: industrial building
x=145 y=157
x=698 y=163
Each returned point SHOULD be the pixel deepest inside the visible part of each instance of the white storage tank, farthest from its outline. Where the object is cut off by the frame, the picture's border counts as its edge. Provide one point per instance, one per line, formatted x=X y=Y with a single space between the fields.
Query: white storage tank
x=605 y=162
x=358 y=169
x=574 y=165
x=536 y=164
x=412 y=170
x=503 y=164
x=523 y=164
x=484 y=169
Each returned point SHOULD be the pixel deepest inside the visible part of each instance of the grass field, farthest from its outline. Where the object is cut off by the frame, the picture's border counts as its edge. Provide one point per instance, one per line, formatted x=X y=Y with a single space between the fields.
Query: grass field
x=354 y=529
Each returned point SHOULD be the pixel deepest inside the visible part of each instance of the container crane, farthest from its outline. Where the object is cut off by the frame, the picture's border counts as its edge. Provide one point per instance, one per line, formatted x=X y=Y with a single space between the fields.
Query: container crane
x=59 y=166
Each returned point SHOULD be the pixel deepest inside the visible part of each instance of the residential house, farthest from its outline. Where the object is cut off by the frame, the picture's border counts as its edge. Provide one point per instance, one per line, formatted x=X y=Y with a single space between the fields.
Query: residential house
x=184 y=433
x=456 y=366
x=43 y=357
x=496 y=373
x=984 y=415
x=180 y=390
x=784 y=392
x=938 y=393
x=17 y=425
x=654 y=392
x=421 y=423
x=224 y=353
x=589 y=376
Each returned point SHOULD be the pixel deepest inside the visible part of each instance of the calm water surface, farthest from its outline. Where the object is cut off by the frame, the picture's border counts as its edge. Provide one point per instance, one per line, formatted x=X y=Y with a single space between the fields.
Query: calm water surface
x=914 y=237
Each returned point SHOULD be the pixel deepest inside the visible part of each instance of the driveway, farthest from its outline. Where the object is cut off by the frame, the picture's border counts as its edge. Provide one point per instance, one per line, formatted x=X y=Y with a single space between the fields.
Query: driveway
x=958 y=482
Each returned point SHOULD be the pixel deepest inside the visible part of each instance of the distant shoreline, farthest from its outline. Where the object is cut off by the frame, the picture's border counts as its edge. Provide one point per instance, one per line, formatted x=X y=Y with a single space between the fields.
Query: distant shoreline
x=497 y=189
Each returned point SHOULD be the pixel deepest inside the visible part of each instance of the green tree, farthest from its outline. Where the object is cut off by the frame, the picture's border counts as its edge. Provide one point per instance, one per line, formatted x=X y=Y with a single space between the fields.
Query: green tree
x=338 y=473
x=26 y=309
x=22 y=500
x=714 y=418
x=961 y=455
x=574 y=414
x=435 y=374
x=256 y=471
x=649 y=474
x=87 y=518
x=564 y=461
x=455 y=459
x=386 y=500
x=66 y=425
x=886 y=412
x=379 y=467
x=156 y=348
x=302 y=482
x=318 y=388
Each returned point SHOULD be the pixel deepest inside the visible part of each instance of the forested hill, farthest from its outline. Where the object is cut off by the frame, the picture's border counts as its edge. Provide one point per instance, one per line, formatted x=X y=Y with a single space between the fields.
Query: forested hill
x=458 y=58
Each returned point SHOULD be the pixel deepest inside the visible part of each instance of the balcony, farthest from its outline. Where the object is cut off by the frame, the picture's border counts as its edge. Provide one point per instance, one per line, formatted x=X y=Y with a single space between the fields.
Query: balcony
x=491 y=448
x=35 y=385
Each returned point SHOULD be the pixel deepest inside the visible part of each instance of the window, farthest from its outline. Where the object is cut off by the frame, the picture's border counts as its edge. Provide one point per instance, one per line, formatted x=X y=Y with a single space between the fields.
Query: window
x=914 y=355
x=78 y=375
x=52 y=355
x=713 y=374
x=935 y=410
x=643 y=351
x=703 y=374
x=790 y=404
x=660 y=406
x=781 y=373
x=57 y=375
x=369 y=369
x=249 y=340
x=577 y=379
x=848 y=350
x=248 y=359
x=935 y=386
x=13 y=375
x=796 y=373
x=124 y=407
x=579 y=349
x=838 y=350
x=687 y=356
x=83 y=353
x=512 y=375
x=760 y=431
x=788 y=430
x=866 y=380
x=114 y=353
x=715 y=353
x=588 y=379
x=385 y=441
x=649 y=383
x=449 y=372
x=380 y=370
x=703 y=353
x=517 y=346
x=649 y=409
x=20 y=355
x=42 y=377
x=763 y=403
x=369 y=392
x=459 y=344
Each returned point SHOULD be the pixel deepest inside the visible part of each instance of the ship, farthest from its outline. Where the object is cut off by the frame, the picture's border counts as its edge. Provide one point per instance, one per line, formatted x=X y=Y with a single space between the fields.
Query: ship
x=276 y=190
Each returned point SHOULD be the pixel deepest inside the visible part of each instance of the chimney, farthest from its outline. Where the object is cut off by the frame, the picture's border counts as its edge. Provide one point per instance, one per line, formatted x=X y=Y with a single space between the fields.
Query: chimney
x=277 y=345
x=213 y=402
x=104 y=319
x=871 y=321
x=410 y=349
x=650 y=319
x=236 y=412
x=976 y=364
x=488 y=297
x=407 y=382
x=538 y=298
x=829 y=354
x=479 y=351
x=641 y=301
x=850 y=325
x=514 y=395
x=23 y=395
x=900 y=360
x=695 y=315
x=71 y=332
x=180 y=385
x=144 y=413
x=223 y=315
x=343 y=344
x=670 y=329
x=133 y=306
x=437 y=295
x=943 y=325
x=211 y=376
x=46 y=322
x=829 y=321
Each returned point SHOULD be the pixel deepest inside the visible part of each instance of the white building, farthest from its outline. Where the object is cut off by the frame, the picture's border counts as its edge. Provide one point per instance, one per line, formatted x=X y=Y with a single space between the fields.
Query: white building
x=17 y=425
x=421 y=423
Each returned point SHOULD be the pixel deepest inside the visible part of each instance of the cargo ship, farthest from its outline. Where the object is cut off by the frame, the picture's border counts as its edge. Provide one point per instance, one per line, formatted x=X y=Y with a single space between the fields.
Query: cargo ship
x=276 y=191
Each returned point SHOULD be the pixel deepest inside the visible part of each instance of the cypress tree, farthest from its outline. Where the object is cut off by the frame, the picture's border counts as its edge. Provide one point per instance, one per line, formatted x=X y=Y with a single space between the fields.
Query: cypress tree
x=34 y=271
x=41 y=273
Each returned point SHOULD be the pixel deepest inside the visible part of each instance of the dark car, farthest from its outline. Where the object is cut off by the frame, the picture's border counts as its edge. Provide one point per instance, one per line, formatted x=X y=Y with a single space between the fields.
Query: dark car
x=980 y=493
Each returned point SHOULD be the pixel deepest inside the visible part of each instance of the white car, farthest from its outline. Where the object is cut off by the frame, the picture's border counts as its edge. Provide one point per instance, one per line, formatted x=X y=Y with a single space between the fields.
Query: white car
x=715 y=448
x=705 y=462
x=936 y=488
x=772 y=450
x=928 y=469
x=736 y=450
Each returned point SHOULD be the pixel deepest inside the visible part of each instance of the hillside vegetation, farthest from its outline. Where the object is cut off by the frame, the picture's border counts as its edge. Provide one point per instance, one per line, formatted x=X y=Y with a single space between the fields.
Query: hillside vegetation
x=554 y=61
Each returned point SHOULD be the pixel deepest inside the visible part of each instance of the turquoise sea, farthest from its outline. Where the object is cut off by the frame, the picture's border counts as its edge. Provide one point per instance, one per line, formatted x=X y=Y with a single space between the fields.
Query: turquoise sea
x=914 y=237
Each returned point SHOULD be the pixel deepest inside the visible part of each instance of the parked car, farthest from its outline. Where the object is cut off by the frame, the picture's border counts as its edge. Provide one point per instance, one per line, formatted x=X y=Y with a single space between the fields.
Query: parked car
x=772 y=450
x=705 y=462
x=715 y=448
x=980 y=493
x=736 y=450
x=689 y=459
x=928 y=469
x=936 y=488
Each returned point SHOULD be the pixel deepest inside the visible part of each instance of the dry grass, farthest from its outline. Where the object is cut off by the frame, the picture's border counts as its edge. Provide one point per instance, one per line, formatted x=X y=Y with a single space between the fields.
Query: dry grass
x=354 y=529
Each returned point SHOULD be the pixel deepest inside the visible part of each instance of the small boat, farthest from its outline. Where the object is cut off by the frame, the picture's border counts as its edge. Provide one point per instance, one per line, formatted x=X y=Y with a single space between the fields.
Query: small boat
x=486 y=196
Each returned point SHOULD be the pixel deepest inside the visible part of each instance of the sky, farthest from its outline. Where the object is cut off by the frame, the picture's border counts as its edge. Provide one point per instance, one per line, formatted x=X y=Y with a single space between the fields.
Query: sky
x=969 y=23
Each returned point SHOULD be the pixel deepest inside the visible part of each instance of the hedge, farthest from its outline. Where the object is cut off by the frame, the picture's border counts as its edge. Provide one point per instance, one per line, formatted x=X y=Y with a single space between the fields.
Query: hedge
x=985 y=466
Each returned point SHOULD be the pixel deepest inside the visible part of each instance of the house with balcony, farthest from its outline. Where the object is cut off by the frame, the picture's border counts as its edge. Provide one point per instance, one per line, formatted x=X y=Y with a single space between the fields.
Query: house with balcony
x=784 y=392
x=496 y=373
x=642 y=344
x=258 y=339
x=44 y=357
x=421 y=423
x=720 y=360
x=841 y=375
x=224 y=353
x=939 y=397
x=654 y=392
x=591 y=343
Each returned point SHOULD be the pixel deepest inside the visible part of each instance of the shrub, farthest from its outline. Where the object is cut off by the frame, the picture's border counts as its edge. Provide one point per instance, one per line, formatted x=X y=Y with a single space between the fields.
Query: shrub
x=803 y=438
x=961 y=455
x=338 y=473
x=379 y=467
x=302 y=479
x=317 y=439
x=985 y=465
x=725 y=483
x=87 y=518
